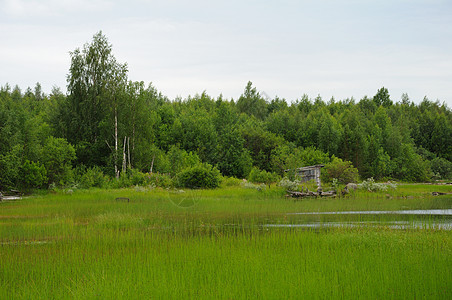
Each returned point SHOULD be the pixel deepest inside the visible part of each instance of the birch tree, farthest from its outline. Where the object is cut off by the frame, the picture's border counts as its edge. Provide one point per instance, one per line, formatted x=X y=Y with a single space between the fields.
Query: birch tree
x=96 y=83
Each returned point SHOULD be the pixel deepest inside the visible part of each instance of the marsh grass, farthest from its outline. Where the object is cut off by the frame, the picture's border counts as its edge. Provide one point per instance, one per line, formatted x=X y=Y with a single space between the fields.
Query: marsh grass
x=215 y=244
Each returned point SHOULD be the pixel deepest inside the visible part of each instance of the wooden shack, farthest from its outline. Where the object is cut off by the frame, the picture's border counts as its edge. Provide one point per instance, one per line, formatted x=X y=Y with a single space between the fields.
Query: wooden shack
x=310 y=173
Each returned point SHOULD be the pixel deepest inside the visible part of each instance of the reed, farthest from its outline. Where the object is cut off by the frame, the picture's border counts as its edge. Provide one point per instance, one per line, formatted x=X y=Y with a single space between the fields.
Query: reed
x=206 y=244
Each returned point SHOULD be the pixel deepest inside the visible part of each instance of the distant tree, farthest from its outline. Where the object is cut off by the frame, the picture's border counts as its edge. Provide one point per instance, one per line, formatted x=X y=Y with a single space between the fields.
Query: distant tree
x=441 y=167
x=260 y=144
x=251 y=102
x=382 y=98
x=96 y=84
x=410 y=166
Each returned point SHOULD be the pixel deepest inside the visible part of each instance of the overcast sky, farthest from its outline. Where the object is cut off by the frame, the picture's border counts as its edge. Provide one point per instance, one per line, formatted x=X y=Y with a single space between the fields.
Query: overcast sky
x=286 y=48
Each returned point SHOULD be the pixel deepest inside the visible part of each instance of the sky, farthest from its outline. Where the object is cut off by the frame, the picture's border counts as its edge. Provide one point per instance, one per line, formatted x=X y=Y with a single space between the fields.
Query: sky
x=339 y=49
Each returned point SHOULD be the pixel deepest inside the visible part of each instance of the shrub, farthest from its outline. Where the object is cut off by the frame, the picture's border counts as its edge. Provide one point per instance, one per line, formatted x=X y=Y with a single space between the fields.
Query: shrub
x=372 y=186
x=441 y=166
x=231 y=181
x=343 y=171
x=289 y=185
x=262 y=176
x=159 y=180
x=199 y=176
x=249 y=185
x=57 y=157
x=92 y=177
x=136 y=177
x=33 y=175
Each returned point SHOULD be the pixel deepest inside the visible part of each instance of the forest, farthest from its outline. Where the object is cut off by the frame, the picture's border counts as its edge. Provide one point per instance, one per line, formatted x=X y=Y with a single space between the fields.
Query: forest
x=107 y=131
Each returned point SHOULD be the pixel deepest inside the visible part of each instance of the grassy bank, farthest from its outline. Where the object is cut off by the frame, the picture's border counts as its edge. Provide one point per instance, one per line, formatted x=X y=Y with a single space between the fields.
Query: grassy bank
x=214 y=244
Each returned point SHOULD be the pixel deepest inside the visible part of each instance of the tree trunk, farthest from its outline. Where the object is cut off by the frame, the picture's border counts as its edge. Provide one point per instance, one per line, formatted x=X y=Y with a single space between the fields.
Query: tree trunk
x=128 y=152
x=115 y=157
x=152 y=164
x=124 y=157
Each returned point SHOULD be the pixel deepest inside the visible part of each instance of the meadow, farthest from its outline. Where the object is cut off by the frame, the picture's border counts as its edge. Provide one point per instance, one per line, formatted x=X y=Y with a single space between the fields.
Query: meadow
x=228 y=243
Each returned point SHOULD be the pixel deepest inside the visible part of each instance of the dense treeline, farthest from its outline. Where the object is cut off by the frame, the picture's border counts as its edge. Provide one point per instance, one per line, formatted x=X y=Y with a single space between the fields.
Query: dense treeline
x=107 y=127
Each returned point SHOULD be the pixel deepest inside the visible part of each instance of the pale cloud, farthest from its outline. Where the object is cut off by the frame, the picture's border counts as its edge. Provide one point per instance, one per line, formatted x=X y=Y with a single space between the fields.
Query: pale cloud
x=286 y=48
x=48 y=8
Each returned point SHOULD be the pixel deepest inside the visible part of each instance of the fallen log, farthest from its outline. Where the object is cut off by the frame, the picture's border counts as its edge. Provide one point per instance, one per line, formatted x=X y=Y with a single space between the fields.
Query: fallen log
x=440 y=193
x=310 y=194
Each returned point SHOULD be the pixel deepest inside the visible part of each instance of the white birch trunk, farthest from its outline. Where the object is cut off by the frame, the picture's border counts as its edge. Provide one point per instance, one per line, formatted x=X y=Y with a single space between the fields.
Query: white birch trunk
x=116 y=144
x=128 y=152
x=124 y=157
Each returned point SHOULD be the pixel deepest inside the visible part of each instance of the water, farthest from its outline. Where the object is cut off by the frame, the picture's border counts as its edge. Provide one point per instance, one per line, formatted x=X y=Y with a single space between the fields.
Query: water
x=428 y=212
x=438 y=219
x=441 y=225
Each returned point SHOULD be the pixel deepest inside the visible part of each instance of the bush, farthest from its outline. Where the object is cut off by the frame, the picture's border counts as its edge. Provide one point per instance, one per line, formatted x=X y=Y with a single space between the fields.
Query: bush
x=372 y=186
x=262 y=176
x=441 y=166
x=343 y=171
x=289 y=185
x=33 y=175
x=159 y=180
x=231 y=181
x=57 y=157
x=136 y=177
x=91 y=177
x=248 y=185
x=199 y=176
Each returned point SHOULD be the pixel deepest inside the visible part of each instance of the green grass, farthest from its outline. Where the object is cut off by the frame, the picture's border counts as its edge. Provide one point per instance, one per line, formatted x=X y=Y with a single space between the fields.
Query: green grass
x=211 y=244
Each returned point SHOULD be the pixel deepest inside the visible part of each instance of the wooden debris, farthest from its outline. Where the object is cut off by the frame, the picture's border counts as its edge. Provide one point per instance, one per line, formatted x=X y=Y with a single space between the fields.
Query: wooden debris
x=440 y=193
x=122 y=199
x=310 y=194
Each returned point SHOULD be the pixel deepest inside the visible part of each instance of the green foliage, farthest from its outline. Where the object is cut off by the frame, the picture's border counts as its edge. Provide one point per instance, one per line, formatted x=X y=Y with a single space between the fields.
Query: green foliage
x=231 y=181
x=104 y=115
x=251 y=103
x=410 y=165
x=136 y=177
x=260 y=144
x=90 y=177
x=261 y=176
x=343 y=171
x=57 y=157
x=199 y=176
x=441 y=167
x=33 y=175
x=232 y=157
x=249 y=185
x=10 y=165
x=159 y=180
x=382 y=97
x=289 y=185
x=96 y=85
x=371 y=186
x=180 y=159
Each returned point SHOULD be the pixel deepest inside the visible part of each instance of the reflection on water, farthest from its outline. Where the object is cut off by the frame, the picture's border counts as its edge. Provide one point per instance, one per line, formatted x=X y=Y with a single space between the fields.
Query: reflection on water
x=442 y=225
x=440 y=219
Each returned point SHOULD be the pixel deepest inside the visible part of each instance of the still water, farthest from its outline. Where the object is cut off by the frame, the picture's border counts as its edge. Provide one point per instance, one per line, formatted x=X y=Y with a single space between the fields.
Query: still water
x=439 y=219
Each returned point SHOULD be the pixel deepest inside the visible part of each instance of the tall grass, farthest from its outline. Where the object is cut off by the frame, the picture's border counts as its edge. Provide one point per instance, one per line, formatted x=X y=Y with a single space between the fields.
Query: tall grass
x=213 y=244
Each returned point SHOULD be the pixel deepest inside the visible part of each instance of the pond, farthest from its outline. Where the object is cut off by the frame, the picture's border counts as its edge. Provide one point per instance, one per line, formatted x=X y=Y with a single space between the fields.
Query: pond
x=439 y=219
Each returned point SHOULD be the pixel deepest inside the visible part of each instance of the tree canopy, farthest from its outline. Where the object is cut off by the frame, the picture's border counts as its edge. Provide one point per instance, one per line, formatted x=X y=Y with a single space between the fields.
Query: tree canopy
x=108 y=125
